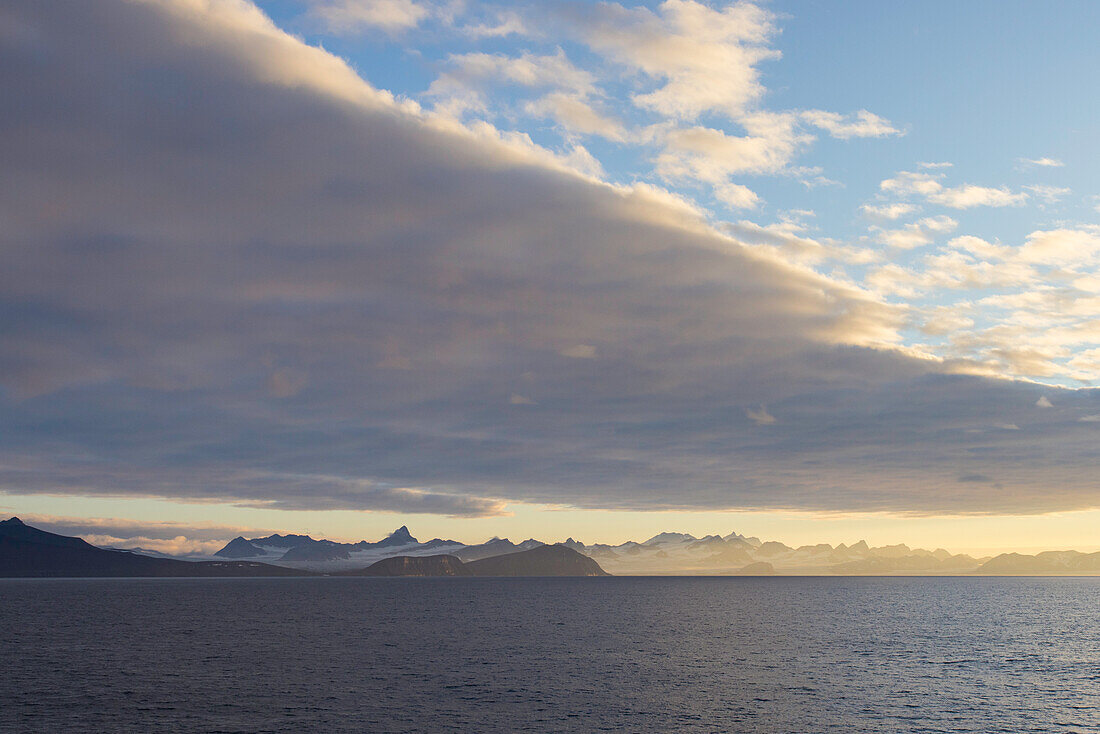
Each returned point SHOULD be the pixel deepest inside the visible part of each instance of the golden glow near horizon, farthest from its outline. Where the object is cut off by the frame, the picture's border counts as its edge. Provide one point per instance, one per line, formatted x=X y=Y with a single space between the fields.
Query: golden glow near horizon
x=974 y=535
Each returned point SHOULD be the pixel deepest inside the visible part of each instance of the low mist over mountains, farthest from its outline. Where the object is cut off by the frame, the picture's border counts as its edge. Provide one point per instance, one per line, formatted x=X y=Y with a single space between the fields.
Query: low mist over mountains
x=680 y=553
x=542 y=560
x=667 y=553
x=28 y=551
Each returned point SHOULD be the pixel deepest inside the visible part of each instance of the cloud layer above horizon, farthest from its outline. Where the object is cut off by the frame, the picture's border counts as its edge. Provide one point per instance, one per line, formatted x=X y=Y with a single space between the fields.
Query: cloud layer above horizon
x=231 y=269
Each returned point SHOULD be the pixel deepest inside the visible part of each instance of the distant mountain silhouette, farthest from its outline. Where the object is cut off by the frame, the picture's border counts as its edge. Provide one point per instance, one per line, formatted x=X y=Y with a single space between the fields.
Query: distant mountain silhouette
x=29 y=552
x=730 y=556
x=240 y=548
x=282 y=541
x=414 y=566
x=906 y=563
x=401 y=536
x=494 y=547
x=318 y=551
x=437 y=542
x=545 y=560
x=16 y=530
x=304 y=549
x=667 y=553
x=668 y=538
x=1059 y=563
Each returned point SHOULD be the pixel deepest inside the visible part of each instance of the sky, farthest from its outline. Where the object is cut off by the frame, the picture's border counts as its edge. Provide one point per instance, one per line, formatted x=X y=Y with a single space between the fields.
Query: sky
x=810 y=271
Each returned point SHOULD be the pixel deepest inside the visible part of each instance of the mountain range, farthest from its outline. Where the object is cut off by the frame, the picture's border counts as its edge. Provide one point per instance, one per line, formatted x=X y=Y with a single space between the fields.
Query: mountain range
x=27 y=551
x=542 y=560
x=670 y=553
x=302 y=551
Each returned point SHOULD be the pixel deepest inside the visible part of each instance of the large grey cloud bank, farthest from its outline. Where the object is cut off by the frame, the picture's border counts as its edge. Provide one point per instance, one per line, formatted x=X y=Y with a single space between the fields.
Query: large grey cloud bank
x=230 y=269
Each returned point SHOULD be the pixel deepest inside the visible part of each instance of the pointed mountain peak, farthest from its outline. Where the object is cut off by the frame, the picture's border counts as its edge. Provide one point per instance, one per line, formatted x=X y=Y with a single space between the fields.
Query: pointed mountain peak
x=402 y=533
x=401 y=536
x=13 y=521
x=239 y=547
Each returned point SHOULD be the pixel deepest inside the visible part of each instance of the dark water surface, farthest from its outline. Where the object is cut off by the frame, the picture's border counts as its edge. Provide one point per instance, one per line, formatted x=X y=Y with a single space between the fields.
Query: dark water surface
x=584 y=655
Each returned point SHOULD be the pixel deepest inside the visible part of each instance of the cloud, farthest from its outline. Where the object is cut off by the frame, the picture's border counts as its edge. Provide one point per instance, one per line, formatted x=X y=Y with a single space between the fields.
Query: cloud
x=710 y=155
x=783 y=237
x=692 y=101
x=576 y=115
x=919 y=233
x=285 y=383
x=349 y=17
x=701 y=59
x=969 y=195
x=979 y=247
x=553 y=71
x=908 y=182
x=929 y=186
x=1039 y=317
x=862 y=124
x=1049 y=194
x=1065 y=247
x=173 y=538
x=713 y=157
x=941 y=320
x=1043 y=402
x=506 y=24
x=736 y=195
x=580 y=351
x=247 y=207
x=149 y=530
x=887 y=211
x=760 y=417
x=1043 y=162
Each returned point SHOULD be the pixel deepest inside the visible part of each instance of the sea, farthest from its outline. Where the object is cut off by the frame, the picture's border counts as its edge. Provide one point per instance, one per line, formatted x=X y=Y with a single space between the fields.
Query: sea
x=551 y=655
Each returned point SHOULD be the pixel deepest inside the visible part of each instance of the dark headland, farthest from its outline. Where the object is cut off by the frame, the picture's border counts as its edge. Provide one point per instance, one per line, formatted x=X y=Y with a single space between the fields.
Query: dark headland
x=27 y=552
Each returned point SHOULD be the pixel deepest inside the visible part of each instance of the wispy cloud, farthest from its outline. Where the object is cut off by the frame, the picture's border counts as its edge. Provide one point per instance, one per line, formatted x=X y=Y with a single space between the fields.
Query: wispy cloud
x=1042 y=162
x=966 y=196
x=760 y=416
x=862 y=124
x=346 y=17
